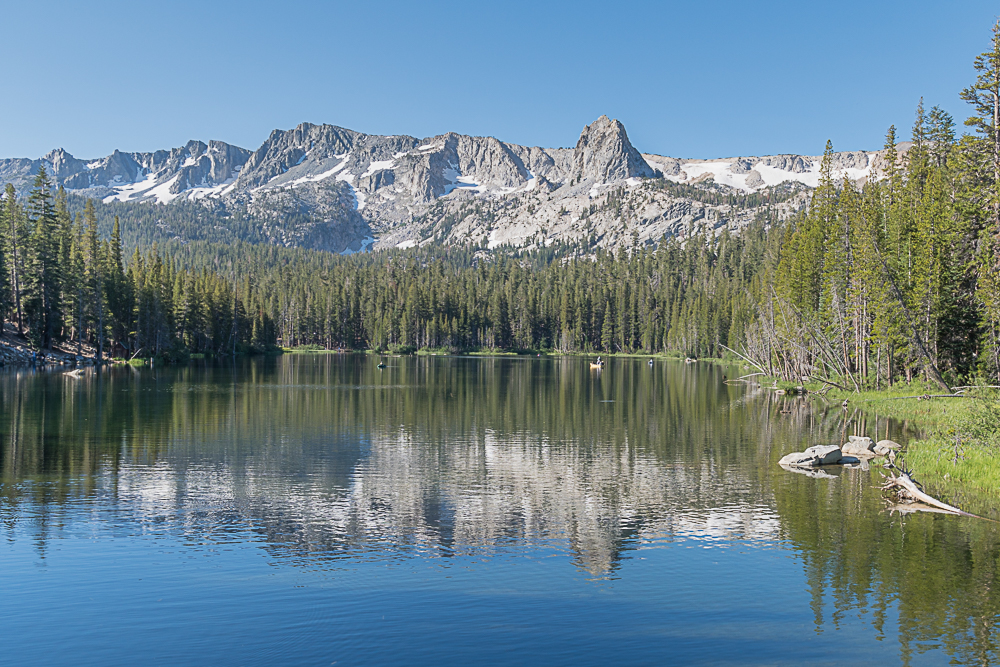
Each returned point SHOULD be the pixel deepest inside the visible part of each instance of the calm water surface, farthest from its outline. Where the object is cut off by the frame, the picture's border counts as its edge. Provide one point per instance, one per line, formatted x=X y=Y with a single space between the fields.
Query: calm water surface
x=313 y=510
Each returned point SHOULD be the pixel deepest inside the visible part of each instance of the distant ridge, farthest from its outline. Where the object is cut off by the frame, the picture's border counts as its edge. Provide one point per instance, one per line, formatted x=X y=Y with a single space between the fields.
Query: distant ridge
x=376 y=191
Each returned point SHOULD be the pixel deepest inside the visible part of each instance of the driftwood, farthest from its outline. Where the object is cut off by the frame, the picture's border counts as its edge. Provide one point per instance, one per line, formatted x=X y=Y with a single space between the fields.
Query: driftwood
x=905 y=490
x=828 y=382
x=745 y=358
x=743 y=379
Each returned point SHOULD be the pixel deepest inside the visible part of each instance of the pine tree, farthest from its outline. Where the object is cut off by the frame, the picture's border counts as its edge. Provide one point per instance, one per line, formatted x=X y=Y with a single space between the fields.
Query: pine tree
x=94 y=278
x=43 y=288
x=983 y=158
x=16 y=234
x=77 y=281
x=5 y=275
x=984 y=96
x=119 y=291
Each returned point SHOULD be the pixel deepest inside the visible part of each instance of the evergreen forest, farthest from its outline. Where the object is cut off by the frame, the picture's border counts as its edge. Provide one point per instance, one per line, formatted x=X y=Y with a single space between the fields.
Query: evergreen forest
x=870 y=284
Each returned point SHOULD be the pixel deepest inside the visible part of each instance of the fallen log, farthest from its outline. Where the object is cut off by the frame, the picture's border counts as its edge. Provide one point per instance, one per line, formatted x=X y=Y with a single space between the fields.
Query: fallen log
x=907 y=491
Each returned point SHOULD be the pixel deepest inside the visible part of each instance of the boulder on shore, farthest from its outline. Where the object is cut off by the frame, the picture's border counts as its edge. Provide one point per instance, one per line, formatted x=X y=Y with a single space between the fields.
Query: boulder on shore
x=886 y=447
x=820 y=455
x=859 y=446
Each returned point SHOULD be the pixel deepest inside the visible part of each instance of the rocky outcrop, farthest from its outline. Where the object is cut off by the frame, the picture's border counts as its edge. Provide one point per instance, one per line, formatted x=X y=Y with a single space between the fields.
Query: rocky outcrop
x=604 y=154
x=339 y=183
x=62 y=165
x=284 y=150
x=794 y=164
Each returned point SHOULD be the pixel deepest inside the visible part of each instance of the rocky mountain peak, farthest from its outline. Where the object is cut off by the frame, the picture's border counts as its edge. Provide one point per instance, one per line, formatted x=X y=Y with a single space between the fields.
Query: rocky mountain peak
x=604 y=153
x=331 y=188
x=61 y=163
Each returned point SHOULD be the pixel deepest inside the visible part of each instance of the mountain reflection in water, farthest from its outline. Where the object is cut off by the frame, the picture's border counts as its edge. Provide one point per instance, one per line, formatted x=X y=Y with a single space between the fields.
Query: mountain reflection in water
x=330 y=461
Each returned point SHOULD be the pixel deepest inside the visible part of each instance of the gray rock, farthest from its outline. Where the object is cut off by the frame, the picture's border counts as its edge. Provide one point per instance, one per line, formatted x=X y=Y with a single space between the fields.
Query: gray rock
x=604 y=154
x=795 y=164
x=814 y=456
x=858 y=446
x=889 y=444
x=849 y=160
x=754 y=179
x=743 y=165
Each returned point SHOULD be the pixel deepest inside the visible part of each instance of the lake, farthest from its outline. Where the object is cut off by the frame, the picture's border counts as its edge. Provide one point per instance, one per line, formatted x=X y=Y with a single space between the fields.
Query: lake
x=317 y=510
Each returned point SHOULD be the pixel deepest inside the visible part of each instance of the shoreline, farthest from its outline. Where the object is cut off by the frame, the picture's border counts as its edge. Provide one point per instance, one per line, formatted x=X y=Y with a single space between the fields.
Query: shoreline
x=957 y=457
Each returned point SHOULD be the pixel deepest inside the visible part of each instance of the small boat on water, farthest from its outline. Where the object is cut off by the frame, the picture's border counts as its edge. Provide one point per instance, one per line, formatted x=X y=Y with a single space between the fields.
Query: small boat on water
x=598 y=365
x=650 y=363
x=381 y=364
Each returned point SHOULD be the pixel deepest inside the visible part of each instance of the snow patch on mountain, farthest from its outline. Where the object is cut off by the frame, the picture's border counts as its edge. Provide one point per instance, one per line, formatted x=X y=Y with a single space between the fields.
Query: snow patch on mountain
x=214 y=191
x=775 y=176
x=456 y=180
x=378 y=165
x=162 y=194
x=315 y=178
x=129 y=191
x=359 y=197
x=752 y=174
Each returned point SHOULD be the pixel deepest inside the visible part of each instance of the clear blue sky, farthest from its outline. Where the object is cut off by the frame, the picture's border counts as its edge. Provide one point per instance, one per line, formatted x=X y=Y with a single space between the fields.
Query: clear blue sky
x=688 y=79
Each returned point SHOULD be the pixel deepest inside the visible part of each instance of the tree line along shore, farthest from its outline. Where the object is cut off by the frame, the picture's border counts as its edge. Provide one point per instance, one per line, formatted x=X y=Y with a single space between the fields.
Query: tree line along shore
x=894 y=280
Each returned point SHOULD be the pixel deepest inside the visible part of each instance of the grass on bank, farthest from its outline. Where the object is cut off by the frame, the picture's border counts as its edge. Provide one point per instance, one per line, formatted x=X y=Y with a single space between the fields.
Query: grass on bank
x=963 y=450
x=901 y=402
x=959 y=457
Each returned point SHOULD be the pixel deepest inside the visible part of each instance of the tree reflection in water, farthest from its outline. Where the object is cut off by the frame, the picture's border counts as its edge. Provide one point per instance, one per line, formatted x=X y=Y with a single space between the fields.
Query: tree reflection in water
x=329 y=459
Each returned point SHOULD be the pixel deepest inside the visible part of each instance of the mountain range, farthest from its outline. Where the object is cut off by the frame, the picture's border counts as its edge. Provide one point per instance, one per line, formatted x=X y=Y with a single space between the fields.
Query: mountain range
x=330 y=188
